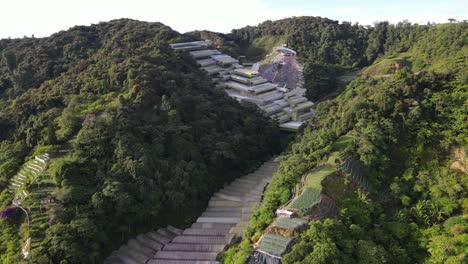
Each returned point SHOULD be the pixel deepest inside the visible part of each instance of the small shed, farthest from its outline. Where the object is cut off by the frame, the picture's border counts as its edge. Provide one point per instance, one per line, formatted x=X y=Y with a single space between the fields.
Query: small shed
x=285 y=212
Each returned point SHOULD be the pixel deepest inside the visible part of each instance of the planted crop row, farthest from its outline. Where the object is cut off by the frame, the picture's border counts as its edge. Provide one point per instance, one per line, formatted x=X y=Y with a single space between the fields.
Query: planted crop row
x=288 y=223
x=275 y=244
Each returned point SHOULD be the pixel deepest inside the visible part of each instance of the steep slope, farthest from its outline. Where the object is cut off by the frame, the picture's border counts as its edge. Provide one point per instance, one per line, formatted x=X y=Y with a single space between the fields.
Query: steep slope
x=406 y=128
x=138 y=137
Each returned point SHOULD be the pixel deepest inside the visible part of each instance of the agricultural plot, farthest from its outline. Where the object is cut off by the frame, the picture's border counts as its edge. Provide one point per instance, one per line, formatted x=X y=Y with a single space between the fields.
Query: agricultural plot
x=348 y=77
x=32 y=187
x=39 y=201
x=311 y=188
x=285 y=71
x=28 y=173
x=259 y=258
x=306 y=200
x=289 y=223
x=275 y=244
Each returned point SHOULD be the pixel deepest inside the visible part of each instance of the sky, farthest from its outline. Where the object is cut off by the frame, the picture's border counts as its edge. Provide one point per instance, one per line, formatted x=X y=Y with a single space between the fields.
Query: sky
x=42 y=18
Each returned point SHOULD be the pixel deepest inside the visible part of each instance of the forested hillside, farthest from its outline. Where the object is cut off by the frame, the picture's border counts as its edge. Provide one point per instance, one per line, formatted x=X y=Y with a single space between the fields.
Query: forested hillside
x=408 y=129
x=329 y=48
x=137 y=136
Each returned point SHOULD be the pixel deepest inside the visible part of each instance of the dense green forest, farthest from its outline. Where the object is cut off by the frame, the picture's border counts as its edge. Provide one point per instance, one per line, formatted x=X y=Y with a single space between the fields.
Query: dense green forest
x=138 y=138
x=407 y=116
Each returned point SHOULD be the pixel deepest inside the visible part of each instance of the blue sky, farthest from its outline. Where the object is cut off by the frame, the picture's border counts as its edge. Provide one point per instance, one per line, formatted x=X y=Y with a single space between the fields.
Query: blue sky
x=44 y=17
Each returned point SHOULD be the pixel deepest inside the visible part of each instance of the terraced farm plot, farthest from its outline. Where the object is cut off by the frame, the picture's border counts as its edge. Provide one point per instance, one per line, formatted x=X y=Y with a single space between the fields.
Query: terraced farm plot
x=310 y=194
x=307 y=199
x=39 y=212
x=275 y=244
x=288 y=223
x=28 y=173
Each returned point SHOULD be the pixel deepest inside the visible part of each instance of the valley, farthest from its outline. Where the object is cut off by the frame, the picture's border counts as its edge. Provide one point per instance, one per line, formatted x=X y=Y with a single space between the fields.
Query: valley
x=299 y=140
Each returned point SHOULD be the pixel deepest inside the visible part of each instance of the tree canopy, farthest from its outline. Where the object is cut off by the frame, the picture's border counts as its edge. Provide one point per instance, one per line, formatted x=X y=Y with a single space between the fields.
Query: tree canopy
x=147 y=136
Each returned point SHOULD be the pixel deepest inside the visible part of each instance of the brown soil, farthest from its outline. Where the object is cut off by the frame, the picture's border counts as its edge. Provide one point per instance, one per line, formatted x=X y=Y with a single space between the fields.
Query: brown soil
x=284 y=71
x=461 y=163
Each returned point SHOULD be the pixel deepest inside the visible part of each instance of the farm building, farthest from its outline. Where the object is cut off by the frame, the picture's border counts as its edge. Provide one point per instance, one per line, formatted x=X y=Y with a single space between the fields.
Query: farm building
x=289 y=108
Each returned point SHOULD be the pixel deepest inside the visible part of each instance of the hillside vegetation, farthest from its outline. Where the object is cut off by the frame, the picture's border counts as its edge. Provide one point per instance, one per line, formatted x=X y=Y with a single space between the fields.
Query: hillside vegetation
x=408 y=129
x=329 y=48
x=137 y=134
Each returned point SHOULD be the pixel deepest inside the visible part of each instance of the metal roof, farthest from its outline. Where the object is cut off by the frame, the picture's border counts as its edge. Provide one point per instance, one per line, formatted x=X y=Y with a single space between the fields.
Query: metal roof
x=246 y=72
x=206 y=62
x=198 y=54
x=224 y=59
x=189 y=45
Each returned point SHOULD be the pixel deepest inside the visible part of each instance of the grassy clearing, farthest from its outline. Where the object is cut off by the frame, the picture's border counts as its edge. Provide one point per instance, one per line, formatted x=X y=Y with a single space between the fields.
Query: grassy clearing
x=106 y=101
x=262 y=46
x=288 y=223
x=385 y=66
x=267 y=43
x=306 y=200
x=312 y=188
x=334 y=156
x=314 y=179
x=342 y=142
